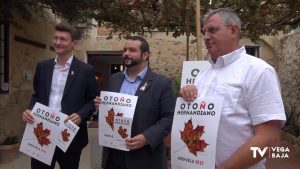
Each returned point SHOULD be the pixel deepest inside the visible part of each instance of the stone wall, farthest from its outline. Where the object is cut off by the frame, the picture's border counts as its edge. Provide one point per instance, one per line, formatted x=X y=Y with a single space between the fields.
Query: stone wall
x=22 y=61
x=167 y=52
x=289 y=74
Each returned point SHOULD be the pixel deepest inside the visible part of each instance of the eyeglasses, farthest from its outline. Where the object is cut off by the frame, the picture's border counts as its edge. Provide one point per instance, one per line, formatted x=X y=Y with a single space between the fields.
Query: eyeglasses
x=212 y=29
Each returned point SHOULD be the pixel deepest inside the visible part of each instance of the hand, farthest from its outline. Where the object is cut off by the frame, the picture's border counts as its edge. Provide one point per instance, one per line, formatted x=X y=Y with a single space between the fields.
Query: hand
x=136 y=142
x=75 y=118
x=188 y=92
x=27 y=116
x=97 y=101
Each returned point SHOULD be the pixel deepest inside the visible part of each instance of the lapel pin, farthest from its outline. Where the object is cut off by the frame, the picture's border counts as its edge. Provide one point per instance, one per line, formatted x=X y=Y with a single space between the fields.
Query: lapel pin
x=72 y=72
x=144 y=87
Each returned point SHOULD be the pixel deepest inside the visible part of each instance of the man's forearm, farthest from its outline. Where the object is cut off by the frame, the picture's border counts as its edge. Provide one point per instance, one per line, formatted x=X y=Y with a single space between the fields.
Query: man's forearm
x=243 y=158
x=266 y=135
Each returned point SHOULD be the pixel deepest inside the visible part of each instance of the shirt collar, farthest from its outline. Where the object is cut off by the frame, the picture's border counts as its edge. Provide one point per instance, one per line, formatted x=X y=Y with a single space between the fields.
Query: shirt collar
x=228 y=58
x=68 y=64
x=140 y=76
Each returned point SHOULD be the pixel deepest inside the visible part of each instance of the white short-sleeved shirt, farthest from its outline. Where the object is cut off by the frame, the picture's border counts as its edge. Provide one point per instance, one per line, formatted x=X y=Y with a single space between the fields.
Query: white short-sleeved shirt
x=251 y=92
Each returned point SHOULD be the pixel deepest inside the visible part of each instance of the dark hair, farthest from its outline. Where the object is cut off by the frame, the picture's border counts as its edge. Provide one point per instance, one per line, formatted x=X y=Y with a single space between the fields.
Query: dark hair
x=144 y=46
x=64 y=27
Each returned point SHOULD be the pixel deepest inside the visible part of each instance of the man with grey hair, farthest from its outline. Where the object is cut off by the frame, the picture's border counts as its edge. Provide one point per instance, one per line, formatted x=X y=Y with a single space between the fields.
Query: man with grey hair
x=252 y=112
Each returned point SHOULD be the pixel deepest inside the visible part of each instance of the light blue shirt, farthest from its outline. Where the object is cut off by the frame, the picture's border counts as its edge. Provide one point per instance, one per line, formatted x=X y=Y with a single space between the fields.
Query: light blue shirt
x=130 y=86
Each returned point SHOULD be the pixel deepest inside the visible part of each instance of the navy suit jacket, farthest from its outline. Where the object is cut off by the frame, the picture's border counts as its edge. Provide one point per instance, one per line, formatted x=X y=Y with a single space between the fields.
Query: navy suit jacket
x=153 y=118
x=79 y=92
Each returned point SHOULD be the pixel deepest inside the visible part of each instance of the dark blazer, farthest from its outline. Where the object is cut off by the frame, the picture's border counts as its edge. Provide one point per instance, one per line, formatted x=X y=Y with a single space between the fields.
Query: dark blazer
x=79 y=92
x=153 y=118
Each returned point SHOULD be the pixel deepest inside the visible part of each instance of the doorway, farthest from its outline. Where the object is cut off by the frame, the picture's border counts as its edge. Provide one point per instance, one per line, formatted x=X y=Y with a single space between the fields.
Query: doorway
x=105 y=64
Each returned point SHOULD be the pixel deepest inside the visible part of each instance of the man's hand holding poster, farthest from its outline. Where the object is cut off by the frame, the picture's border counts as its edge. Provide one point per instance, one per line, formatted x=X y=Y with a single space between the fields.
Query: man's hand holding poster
x=67 y=133
x=194 y=133
x=115 y=118
x=40 y=138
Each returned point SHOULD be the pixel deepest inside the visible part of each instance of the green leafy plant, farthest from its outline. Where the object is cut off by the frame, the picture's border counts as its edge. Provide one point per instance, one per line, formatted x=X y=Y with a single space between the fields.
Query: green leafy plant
x=10 y=140
x=170 y=16
x=9 y=148
x=176 y=83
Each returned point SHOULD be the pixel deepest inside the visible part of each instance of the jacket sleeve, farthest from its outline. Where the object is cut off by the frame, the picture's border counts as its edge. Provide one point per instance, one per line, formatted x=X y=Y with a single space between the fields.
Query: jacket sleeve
x=91 y=91
x=157 y=132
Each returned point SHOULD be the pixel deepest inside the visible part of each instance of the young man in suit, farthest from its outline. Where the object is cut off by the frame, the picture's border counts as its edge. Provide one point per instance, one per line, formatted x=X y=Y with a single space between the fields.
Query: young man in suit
x=153 y=115
x=66 y=85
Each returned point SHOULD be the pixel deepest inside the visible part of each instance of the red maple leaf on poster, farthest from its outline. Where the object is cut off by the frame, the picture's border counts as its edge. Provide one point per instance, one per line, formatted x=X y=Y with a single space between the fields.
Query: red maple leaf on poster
x=42 y=134
x=123 y=132
x=65 y=135
x=110 y=118
x=191 y=137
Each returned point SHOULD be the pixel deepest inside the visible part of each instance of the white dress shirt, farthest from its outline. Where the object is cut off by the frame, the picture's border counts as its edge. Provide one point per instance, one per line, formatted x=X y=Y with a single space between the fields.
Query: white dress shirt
x=59 y=78
x=251 y=93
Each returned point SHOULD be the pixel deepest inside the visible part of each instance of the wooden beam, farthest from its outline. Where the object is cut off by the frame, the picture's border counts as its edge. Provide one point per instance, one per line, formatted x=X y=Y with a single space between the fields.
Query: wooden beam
x=198 y=31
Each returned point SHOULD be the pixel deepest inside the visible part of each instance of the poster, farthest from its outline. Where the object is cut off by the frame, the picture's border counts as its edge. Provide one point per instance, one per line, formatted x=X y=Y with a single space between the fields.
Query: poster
x=194 y=133
x=39 y=139
x=66 y=135
x=114 y=107
x=190 y=70
x=121 y=132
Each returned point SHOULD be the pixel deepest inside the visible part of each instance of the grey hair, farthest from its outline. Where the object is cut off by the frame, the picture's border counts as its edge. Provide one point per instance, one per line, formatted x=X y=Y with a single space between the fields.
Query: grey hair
x=229 y=17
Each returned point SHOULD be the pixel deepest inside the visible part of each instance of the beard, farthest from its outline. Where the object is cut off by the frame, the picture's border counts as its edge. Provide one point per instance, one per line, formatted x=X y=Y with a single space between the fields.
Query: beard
x=132 y=62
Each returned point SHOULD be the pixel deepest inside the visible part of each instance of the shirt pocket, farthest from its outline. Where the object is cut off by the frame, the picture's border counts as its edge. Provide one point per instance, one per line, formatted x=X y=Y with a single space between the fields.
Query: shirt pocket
x=229 y=93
